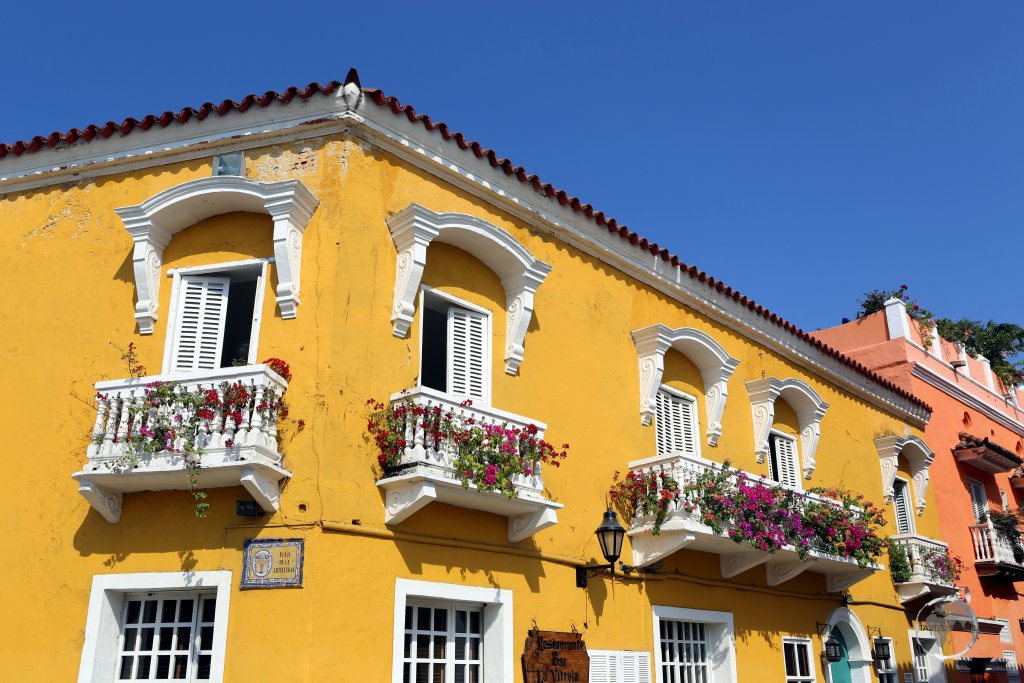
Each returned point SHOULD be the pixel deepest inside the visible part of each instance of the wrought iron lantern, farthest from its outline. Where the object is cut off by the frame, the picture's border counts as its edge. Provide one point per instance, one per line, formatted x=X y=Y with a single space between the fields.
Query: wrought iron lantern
x=882 y=649
x=833 y=650
x=609 y=535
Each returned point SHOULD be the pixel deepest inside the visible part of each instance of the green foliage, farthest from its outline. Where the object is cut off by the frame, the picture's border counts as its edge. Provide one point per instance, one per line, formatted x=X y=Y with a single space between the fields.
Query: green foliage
x=644 y=494
x=899 y=563
x=1007 y=526
x=998 y=342
x=874 y=301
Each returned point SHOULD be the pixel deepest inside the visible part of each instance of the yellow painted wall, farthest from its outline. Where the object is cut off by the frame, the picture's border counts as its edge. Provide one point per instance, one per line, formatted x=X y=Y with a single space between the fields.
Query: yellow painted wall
x=65 y=260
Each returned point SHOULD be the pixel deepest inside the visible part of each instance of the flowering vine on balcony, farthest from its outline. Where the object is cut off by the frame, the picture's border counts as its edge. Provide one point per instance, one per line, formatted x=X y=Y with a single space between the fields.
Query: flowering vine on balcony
x=488 y=456
x=764 y=516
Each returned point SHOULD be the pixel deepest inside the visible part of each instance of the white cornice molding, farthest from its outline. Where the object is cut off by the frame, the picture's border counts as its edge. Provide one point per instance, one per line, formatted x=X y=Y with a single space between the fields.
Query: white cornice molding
x=410 y=141
x=933 y=378
x=153 y=222
x=806 y=403
x=918 y=456
x=714 y=363
x=414 y=228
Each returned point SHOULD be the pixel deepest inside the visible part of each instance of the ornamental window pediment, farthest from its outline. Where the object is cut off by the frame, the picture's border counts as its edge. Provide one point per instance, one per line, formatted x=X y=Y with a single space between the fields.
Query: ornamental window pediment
x=805 y=402
x=918 y=457
x=713 y=362
x=155 y=221
x=415 y=228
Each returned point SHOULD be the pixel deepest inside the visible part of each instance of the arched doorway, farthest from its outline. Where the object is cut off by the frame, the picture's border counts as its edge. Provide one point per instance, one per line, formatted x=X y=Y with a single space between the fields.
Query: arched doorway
x=856 y=663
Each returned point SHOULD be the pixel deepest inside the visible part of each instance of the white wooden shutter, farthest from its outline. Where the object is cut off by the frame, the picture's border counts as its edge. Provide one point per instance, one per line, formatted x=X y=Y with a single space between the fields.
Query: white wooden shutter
x=901 y=503
x=979 y=501
x=199 y=324
x=619 y=666
x=468 y=354
x=785 y=458
x=675 y=424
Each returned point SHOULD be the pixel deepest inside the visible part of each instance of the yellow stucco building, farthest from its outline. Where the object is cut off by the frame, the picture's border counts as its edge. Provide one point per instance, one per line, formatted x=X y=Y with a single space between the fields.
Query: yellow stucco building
x=377 y=252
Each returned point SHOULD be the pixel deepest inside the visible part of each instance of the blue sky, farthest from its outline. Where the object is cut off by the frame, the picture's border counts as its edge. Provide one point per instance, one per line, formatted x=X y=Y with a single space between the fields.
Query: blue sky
x=804 y=152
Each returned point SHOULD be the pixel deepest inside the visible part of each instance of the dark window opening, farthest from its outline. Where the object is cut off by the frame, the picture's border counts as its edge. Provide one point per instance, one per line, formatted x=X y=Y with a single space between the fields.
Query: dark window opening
x=434 y=354
x=238 y=322
x=774 y=471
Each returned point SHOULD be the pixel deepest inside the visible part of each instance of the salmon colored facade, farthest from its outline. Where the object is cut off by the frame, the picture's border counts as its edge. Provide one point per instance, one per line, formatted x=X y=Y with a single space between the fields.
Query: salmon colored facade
x=977 y=433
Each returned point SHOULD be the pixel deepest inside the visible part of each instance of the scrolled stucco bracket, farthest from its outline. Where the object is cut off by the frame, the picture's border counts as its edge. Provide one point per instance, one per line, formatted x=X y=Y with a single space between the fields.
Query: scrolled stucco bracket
x=715 y=364
x=415 y=228
x=152 y=223
x=919 y=458
x=809 y=409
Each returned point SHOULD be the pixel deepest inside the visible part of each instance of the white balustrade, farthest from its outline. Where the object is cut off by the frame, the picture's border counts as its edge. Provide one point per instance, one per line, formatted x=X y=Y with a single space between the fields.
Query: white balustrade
x=921 y=555
x=989 y=546
x=424 y=449
x=121 y=411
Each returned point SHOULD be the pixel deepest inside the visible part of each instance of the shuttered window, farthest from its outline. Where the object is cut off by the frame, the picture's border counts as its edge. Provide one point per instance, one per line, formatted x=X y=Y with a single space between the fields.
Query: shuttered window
x=979 y=501
x=901 y=503
x=619 y=666
x=199 y=325
x=886 y=668
x=685 y=651
x=782 y=466
x=467 y=350
x=676 y=424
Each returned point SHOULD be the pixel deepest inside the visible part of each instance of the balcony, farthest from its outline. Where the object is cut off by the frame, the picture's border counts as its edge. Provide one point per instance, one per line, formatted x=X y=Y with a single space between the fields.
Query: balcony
x=684 y=529
x=926 y=581
x=234 y=453
x=994 y=557
x=425 y=473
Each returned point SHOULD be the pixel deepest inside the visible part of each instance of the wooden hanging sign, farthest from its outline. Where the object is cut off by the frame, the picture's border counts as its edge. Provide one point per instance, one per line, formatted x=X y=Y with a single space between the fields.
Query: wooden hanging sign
x=555 y=656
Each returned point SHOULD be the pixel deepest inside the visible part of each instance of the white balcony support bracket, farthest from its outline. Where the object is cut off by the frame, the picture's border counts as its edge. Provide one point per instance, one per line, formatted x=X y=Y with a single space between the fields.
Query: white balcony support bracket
x=734 y=564
x=406 y=499
x=521 y=527
x=153 y=222
x=648 y=548
x=715 y=364
x=107 y=503
x=264 y=489
x=415 y=228
x=780 y=571
x=837 y=582
x=918 y=457
x=806 y=403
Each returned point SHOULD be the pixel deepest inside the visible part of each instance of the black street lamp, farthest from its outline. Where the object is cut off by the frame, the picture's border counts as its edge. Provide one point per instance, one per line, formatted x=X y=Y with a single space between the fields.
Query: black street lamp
x=609 y=536
x=833 y=650
x=882 y=649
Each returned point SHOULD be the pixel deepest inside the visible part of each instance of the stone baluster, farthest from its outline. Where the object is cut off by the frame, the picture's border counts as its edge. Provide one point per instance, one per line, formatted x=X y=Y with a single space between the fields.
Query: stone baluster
x=111 y=427
x=202 y=426
x=216 y=435
x=122 y=423
x=242 y=433
x=99 y=427
x=257 y=434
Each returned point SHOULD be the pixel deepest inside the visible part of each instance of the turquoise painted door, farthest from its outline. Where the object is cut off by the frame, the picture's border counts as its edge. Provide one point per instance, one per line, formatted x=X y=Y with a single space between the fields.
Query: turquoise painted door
x=841 y=669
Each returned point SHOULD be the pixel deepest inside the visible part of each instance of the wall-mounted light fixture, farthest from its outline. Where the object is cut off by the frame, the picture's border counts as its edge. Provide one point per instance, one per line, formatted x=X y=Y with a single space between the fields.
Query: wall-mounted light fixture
x=833 y=648
x=609 y=536
x=880 y=644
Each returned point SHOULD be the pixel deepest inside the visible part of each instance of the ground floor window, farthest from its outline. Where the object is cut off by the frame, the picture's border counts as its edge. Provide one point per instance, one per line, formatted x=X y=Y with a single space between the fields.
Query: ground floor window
x=153 y=627
x=167 y=636
x=694 y=646
x=927 y=660
x=796 y=653
x=619 y=666
x=449 y=633
x=886 y=667
x=443 y=643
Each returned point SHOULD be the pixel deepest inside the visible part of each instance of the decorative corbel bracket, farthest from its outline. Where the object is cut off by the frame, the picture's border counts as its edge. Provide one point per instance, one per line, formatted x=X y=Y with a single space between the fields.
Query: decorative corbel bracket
x=919 y=459
x=107 y=503
x=415 y=228
x=264 y=489
x=715 y=364
x=809 y=409
x=153 y=222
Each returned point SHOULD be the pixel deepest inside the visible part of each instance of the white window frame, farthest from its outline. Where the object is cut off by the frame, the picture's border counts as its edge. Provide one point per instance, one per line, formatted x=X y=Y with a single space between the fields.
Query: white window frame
x=216 y=269
x=908 y=500
x=1005 y=636
x=488 y=337
x=892 y=668
x=617 y=656
x=934 y=666
x=812 y=674
x=497 y=623
x=721 y=636
x=106 y=610
x=796 y=457
x=694 y=425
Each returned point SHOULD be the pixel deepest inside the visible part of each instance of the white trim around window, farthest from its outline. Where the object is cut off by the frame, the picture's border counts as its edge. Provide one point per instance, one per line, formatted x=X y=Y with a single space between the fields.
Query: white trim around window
x=256 y=265
x=484 y=353
x=497 y=623
x=676 y=422
x=803 y=653
x=720 y=636
x=106 y=607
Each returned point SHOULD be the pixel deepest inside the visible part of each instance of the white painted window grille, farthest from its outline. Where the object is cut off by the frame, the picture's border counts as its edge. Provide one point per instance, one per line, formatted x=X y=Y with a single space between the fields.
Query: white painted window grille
x=797 y=655
x=215 y=316
x=782 y=465
x=619 y=666
x=1004 y=631
x=455 y=348
x=1012 y=667
x=676 y=423
x=921 y=671
x=901 y=504
x=886 y=668
x=979 y=500
x=684 y=652
x=167 y=636
x=443 y=643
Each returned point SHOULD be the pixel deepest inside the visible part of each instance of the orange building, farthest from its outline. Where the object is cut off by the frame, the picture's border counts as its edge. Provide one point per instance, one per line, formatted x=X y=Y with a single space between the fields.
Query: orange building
x=977 y=435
